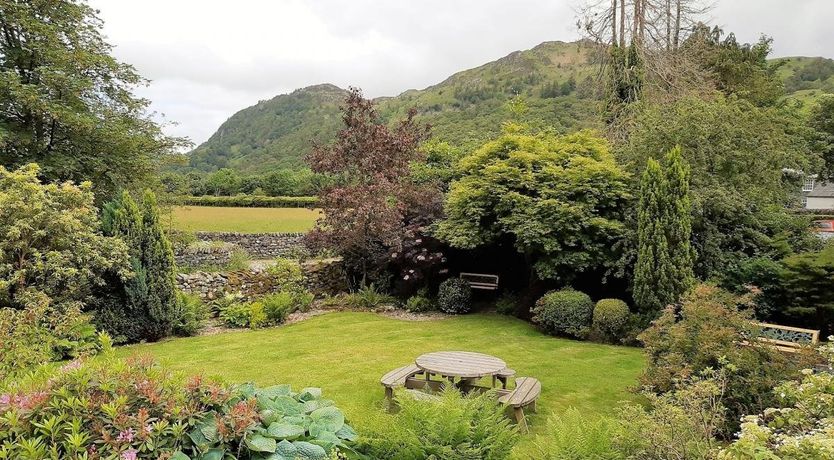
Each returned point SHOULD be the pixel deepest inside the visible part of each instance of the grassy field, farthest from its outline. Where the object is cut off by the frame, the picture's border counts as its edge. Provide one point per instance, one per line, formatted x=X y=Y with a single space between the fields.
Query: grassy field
x=243 y=220
x=347 y=353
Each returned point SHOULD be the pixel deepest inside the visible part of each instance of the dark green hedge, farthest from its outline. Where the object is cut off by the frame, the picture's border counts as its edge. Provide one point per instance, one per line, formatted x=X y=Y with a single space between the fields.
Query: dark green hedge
x=248 y=201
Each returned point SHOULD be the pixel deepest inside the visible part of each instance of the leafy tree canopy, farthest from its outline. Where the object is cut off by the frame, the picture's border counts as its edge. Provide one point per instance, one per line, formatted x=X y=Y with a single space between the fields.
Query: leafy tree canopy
x=50 y=244
x=67 y=104
x=559 y=198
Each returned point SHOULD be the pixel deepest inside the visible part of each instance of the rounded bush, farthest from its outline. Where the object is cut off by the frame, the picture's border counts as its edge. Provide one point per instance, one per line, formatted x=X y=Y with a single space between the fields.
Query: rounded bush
x=454 y=296
x=564 y=312
x=611 y=318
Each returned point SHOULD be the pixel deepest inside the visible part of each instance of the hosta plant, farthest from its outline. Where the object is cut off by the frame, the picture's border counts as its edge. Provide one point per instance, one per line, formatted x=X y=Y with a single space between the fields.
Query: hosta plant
x=134 y=409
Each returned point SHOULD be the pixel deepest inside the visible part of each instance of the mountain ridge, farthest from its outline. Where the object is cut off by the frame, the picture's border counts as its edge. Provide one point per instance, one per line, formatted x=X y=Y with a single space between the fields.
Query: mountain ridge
x=555 y=78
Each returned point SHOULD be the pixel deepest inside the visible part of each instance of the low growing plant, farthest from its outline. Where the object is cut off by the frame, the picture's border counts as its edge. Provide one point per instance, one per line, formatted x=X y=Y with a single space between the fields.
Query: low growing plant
x=287 y=275
x=454 y=296
x=420 y=302
x=134 y=409
x=190 y=313
x=507 y=303
x=453 y=427
x=564 y=312
x=573 y=436
x=369 y=298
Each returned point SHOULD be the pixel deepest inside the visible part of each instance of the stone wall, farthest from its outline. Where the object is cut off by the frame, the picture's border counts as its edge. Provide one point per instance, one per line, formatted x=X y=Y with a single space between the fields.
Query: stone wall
x=324 y=276
x=261 y=245
x=204 y=255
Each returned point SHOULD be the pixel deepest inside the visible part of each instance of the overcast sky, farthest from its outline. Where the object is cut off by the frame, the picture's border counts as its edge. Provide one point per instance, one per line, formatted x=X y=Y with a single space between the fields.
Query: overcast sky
x=210 y=58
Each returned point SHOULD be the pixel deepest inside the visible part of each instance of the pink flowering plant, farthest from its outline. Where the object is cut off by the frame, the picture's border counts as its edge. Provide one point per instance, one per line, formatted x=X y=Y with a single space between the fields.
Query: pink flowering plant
x=131 y=409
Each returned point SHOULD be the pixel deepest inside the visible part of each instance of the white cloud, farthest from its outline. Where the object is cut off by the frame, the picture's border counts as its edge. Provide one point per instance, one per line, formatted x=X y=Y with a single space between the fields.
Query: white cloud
x=210 y=58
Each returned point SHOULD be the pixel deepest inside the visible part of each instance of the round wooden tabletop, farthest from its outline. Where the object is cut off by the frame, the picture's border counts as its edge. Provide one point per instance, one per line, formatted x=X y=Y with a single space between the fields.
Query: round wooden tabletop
x=463 y=364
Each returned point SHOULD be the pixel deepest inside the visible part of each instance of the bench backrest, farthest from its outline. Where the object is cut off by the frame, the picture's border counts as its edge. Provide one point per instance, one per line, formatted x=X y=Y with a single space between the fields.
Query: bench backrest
x=481 y=280
x=787 y=336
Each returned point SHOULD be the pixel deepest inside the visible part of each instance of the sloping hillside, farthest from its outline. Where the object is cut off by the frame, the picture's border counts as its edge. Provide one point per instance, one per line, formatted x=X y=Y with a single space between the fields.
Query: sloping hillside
x=465 y=109
x=554 y=79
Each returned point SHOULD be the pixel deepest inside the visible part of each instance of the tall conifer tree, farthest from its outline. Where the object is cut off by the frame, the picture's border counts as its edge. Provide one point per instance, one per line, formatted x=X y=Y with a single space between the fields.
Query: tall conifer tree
x=664 y=269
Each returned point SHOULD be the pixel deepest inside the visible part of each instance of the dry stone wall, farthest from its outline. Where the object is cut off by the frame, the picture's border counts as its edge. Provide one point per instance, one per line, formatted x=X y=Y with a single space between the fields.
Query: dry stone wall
x=261 y=245
x=322 y=276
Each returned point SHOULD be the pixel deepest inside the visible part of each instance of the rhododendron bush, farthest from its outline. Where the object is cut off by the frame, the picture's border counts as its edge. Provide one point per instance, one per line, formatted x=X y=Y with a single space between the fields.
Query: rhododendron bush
x=109 y=408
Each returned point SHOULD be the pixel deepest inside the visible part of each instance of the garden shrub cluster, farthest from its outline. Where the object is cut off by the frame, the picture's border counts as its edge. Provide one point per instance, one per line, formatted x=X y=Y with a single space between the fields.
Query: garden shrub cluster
x=800 y=426
x=454 y=296
x=454 y=427
x=420 y=302
x=564 y=312
x=268 y=310
x=134 y=409
x=705 y=334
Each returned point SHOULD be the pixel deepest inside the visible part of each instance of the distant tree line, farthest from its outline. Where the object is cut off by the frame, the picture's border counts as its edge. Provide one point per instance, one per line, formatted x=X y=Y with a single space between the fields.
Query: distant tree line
x=228 y=182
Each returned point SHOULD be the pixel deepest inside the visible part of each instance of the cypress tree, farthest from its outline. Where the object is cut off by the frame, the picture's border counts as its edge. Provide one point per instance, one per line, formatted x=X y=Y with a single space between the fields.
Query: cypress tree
x=653 y=287
x=141 y=305
x=158 y=264
x=664 y=268
x=679 y=222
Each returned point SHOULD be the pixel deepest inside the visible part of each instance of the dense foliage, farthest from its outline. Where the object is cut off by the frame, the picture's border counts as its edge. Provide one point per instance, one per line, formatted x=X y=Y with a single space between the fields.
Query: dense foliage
x=50 y=243
x=143 y=304
x=67 y=104
x=372 y=198
x=737 y=153
x=454 y=296
x=707 y=333
x=564 y=312
x=800 y=427
x=135 y=409
x=559 y=199
x=248 y=201
x=453 y=427
x=663 y=271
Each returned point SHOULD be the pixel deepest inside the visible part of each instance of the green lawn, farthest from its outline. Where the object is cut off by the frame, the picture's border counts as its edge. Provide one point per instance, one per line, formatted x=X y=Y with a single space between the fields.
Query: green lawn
x=347 y=353
x=243 y=220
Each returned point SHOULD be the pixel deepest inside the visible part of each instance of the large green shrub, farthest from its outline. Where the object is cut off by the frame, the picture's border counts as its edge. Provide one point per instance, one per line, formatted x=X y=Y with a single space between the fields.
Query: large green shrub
x=681 y=424
x=611 y=317
x=141 y=411
x=564 y=312
x=147 y=296
x=454 y=296
x=706 y=333
x=50 y=242
x=453 y=427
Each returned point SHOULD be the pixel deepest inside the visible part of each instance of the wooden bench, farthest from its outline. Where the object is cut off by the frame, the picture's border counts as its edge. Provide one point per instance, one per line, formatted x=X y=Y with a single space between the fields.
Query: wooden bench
x=398 y=378
x=526 y=391
x=786 y=338
x=481 y=281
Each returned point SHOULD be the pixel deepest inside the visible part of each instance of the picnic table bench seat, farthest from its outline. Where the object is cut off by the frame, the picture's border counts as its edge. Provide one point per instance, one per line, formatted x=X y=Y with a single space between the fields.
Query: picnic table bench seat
x=503 y=375
x=397 y=378
x=526 y=391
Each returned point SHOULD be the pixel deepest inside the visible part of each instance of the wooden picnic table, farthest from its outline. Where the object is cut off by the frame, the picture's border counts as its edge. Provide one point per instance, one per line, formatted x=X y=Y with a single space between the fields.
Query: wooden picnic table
x=461 y=364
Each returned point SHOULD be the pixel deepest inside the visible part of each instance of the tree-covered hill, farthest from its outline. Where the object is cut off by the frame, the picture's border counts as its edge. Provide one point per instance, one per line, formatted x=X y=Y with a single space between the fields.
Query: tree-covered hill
x=555 y=81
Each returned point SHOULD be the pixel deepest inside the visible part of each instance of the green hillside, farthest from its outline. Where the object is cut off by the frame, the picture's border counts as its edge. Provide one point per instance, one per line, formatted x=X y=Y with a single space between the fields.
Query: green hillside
x=555 y=80
x=468 y=107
